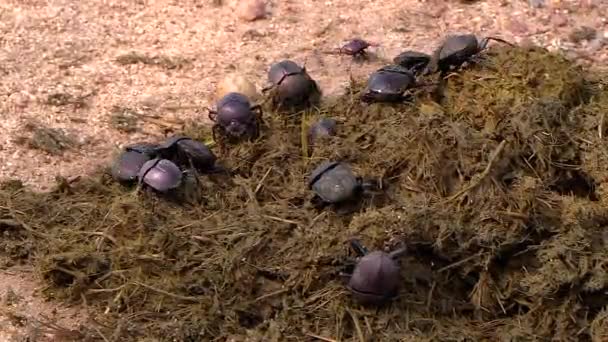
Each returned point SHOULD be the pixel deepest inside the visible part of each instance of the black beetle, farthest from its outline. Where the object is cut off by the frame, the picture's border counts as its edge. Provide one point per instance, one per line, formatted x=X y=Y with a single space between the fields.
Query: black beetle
x=187 y=152
x=412 y=60
x=126 y=167
x=457 y=49
x=324 y=127
x=355 y=47
x=293 y=85
x=235 y=118
x=334 y=182
x=161 y=175
x=388 y=84
x=376 y=277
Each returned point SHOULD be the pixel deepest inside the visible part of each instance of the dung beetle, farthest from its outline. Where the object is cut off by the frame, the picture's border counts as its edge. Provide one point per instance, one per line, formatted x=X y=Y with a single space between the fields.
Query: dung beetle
x=161 y=175
x=388 y=84
x=334 y=182
x=457 y=49
x=412 y=60
x=235 y=118
x=187 y=152
x=355 y=47
x=292 y=84
x=376 y=277
x=324 y=127
x=126 y=167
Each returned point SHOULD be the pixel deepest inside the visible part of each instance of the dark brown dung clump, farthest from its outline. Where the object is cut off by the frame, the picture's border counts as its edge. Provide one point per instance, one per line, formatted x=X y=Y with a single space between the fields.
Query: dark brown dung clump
x=498 y=189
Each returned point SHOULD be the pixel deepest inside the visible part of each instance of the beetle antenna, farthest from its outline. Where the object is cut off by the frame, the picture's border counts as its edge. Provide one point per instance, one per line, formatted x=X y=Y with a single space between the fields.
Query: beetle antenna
x=358 y=247
x=484 y=42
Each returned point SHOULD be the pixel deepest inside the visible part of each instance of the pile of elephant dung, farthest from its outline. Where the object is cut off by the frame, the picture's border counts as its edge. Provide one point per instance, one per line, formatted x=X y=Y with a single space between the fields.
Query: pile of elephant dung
x=495 y=182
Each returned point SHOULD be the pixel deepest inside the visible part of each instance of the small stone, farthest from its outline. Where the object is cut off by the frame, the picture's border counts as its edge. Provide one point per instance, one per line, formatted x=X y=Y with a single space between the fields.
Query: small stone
x=20 y=99
x=150 y=100
x=536 y=3
x=596 y=44
x=251 y=10
x=582 y=33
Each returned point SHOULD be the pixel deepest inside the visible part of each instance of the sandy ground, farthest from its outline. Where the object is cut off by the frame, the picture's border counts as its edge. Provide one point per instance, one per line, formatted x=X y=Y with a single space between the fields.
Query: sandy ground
x=60 y=69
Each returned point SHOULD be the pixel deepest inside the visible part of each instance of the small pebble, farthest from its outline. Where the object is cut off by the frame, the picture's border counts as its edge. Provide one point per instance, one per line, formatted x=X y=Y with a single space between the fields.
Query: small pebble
x=536 y=3
x=251 y=10
x=596 y=44
x=582 y=33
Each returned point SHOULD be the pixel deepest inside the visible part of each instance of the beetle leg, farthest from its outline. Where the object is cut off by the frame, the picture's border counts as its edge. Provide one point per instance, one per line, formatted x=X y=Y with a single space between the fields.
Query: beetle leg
x=257 y=109
x=212 y=115
x=399 y=252
x=361 y=55
x=266 y=89
x=259 y=115
x=344 y=275
x=358 y=247
x=219 y=137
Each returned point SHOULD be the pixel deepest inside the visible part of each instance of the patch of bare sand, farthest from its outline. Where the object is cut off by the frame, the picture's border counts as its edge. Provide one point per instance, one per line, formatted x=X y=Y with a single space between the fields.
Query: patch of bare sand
x=26 y=316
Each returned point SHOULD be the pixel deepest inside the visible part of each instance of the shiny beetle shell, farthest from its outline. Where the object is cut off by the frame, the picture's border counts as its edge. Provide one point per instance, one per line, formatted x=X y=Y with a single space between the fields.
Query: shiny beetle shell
x=126 y=167
x=323 y=128
x=388 y=84
x=412 y=60
x=197 y=153
x=334 y=182
x=293 y=84
x=375 y=279
x=355 y=47
x=279 y=70
x=234 y=107
x=160 y=174
x=457 y=48
x=235 y=115
x=185 y=150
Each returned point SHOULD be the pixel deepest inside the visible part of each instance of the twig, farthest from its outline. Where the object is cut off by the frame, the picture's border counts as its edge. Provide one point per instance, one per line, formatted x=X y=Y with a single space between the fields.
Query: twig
x=600 y=127
x=429 y=298
x=15 y=222
x=101 y=334
x=102 y=234
x=475 y=182
x=271 y=294
x=357 y=326
x=274 y=218
x=168 y=294
x=321 y=338
x=259 y=186
x=514 y=215
x=458 y=263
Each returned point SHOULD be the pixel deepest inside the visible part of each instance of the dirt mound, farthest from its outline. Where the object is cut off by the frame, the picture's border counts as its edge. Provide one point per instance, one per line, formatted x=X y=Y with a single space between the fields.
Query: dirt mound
x=495 y=182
